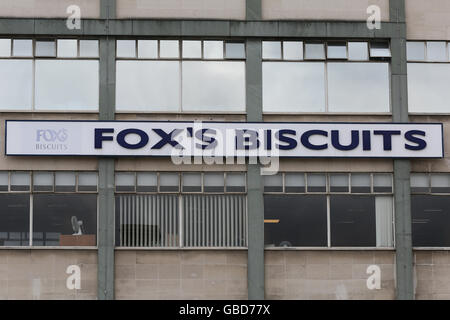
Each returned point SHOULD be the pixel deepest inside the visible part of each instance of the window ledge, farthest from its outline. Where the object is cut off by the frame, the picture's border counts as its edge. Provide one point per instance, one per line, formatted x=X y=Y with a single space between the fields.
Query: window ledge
x=330 y=249
x=431 y=248
x=327 y=113
x=46 y=248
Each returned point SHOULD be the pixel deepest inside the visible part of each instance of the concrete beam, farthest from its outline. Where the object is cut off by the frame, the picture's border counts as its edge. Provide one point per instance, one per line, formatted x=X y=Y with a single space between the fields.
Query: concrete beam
x=402 y=168
x=201 y=28
x=255 y=197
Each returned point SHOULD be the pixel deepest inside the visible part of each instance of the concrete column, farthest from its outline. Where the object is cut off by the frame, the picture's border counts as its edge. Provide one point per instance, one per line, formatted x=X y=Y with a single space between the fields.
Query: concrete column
x=402 y=168
x=253 y=10
x=106 y=217
x=254 y=178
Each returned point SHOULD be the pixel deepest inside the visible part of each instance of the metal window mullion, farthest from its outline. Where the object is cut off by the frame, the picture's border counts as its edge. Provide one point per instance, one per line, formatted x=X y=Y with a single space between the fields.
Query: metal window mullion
x=328 y=221
x=30 y=240
x=181 y=219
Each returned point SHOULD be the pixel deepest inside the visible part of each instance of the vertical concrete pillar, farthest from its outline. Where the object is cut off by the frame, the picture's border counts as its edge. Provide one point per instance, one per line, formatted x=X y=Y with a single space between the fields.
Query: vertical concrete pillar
x=106 y=165
x=402 y=168
x=254 y=179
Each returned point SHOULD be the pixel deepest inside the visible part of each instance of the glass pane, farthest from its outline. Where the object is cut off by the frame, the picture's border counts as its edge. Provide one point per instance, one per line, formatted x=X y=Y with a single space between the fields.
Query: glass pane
x=295 y=182
x=67 y=48
x=65 y=181
x=382 y=182
x=337 y=50
x=20 y=181
x=87 y=181
x=384 y=221
x=16 y=84
x=169 y=182
x=293 y=50
x=55 y=90
x=273 y=183
x=295 y=220
x=380 y=49
x=213 y=86
x=45 y=48
x=235 y=50
x=126 y=49
x=437 y=51
x=282 y=82
x=148 y=86
x=14 y=219
x=192 y=49
x=317 y=182
x=5 y=47
x=358 y=51
x=360 y=182
x=213 y=182
x=4 y=181
x=148 y=49
x=89 y=48
x=22 y=48
x=415 y=51
x=314 y=51
x=192 y=182
x=352 y=221
x=150 y=220
x=350 y=89
x=440 y=183
x=236 y=182
x=147 y=182
x=271 y=50
x=65 y=219
x=430 y=221
x=428 y=87
x=125 y=182
x=169 y=49
x=213 y=49
x=420 y=182
x=339 y=183
x=43 y=181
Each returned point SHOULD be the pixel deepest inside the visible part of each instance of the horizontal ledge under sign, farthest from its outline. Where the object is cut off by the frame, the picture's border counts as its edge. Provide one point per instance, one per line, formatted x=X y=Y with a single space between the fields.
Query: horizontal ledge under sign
x=224 y=139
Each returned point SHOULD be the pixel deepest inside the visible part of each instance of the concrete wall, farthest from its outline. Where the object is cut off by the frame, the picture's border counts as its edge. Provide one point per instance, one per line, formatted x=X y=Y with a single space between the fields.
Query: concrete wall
x=44 y=163
x=432 y=275
x=428 y=20
x=48 y=8
x=41 y=274
x=181 y=274
x=434 y=165
x=198 y=9
x=322 y=9
x=327 y=274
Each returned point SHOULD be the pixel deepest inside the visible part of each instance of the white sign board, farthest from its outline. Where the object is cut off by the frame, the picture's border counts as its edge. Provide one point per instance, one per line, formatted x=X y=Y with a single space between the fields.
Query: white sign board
x=230 y=139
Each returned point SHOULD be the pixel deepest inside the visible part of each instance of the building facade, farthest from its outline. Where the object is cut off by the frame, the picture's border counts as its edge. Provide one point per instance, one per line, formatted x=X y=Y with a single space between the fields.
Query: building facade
x=151 y=228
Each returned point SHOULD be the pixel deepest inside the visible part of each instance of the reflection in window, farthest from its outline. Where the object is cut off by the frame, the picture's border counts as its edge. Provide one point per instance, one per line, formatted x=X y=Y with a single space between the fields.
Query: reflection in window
x=293 y=87
x=148 y=85
x=213 y=86
x=358 y=87
x=428 y=87
x=16 y=84
x=14 y=219
x=67 y=85
x=64 y=219
x=430 y=221
x=295 y=220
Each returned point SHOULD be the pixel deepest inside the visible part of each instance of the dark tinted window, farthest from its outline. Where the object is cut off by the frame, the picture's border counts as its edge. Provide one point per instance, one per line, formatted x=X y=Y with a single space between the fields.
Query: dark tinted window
x=295 y=220
x=431 y=221
x=52 y=219
x=14 y=219
x=352 y=221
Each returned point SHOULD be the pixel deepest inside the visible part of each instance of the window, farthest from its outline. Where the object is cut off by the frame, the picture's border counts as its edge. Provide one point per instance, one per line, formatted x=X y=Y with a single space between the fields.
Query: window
x=49 y=75
x=173 y=76
x=357 y=83
x=208 y=211
x=60 y=216
x=334 y=210
x=428 y=76
x=430 y=209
